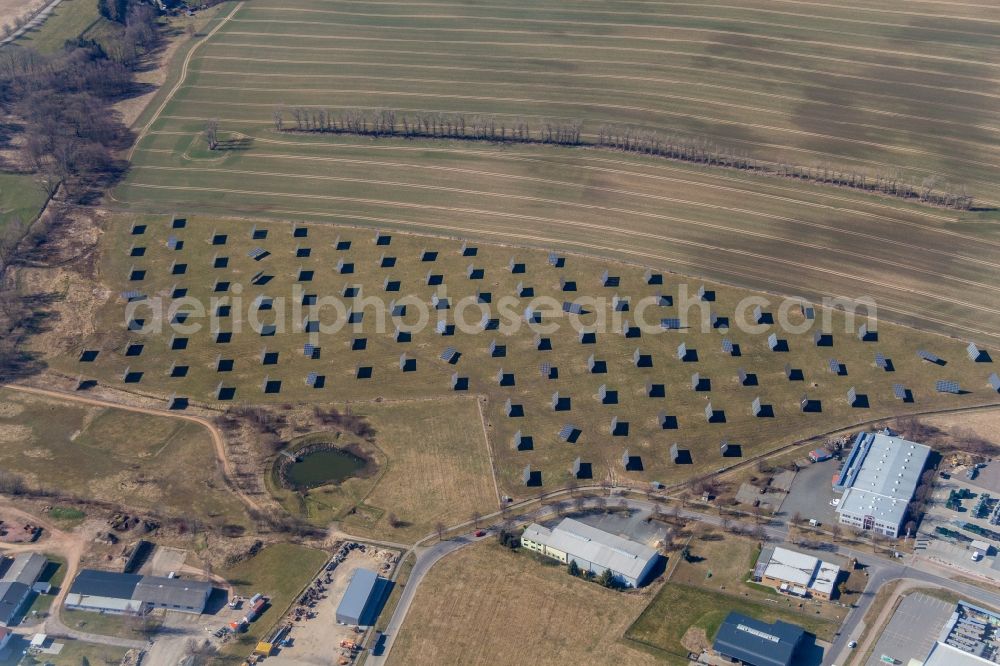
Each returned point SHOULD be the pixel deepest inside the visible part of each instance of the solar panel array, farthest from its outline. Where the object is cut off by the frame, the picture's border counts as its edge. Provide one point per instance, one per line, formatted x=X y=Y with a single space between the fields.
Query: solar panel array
x=347 y=263
x=899 y=391
x=927 y=356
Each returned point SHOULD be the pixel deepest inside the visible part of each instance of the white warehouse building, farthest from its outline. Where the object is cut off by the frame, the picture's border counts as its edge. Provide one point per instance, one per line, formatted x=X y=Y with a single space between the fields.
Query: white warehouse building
x=878 y=481
x=593 y=550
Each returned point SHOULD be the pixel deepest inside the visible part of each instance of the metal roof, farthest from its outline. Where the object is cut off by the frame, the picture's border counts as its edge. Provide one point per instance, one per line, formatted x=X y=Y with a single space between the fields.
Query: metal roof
x=110 y=584
x=27 y=568
x=756 y=642
x=172 y=592
x=610 y=551
x=943 y=654
x=12 y=597
x=356 y=596
x=800 y=569
x=880 y=476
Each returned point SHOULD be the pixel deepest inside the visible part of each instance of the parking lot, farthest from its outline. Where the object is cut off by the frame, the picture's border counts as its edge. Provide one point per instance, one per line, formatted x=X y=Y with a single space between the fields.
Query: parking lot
x=912 y=630
x=811 y=493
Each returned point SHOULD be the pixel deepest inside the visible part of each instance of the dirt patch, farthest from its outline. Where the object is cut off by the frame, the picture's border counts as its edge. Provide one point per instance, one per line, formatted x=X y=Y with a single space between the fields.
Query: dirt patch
x=14 y=433
x=124 y=485
x=985 y=424
x=9 y=410
x=38 y=453
x=70 y=275
x=695 y=640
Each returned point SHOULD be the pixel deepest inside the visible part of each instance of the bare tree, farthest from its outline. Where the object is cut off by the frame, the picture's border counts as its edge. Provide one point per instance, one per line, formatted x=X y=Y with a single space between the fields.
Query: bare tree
x=476 y=517
x=439 y=528
x=211 y=133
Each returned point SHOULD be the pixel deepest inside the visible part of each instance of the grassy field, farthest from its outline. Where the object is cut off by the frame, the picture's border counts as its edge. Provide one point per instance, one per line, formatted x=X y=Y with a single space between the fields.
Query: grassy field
x=98 y=453
x=75 y=653
x=20 y=197
x=438 y=468
x=723 y=563
x=678 y=608
x=445 y=478
x=782 y=81
x=70 y=19
x=484 y=604
x=406 y=437
x=279 y=572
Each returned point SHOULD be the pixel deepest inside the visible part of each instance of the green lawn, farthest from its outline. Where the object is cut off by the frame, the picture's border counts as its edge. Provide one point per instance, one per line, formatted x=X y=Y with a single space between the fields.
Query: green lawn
x=104 y=624
x=20 y=197
x=69 y=20
x=78 y=653
x=677 y=607
x=67 y=517
x=279 y=572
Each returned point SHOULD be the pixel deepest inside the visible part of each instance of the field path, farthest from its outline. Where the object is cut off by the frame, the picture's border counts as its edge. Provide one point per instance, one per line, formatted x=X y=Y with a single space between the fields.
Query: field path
x=217 y=439
x=180 y=80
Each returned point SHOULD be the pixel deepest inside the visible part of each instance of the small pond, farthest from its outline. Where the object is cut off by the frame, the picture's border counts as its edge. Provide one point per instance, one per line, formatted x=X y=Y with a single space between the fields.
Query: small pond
x=317 y=468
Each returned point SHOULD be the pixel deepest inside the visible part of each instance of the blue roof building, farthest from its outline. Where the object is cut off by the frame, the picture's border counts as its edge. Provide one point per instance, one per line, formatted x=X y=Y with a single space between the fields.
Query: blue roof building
x=359 y=598
x=757 y=643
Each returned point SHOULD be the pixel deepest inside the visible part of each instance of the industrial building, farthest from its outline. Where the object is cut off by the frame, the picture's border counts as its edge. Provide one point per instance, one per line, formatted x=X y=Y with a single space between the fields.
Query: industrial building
x=14 y=598
x=362 y=599
x=796 y=574
x=878 y=481
x=969 y=638
x=113 y=592
x=593 y=550
x=757 y=643
x=26 y=568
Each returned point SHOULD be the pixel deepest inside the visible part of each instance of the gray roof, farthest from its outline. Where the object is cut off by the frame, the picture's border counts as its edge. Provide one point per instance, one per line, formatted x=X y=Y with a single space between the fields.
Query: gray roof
x=173 y=592
x=756 y=642
x=12 y=597
x=610 y=551
x=880 y=476
x=111 y=584
x=27 y=568
x=359 y=590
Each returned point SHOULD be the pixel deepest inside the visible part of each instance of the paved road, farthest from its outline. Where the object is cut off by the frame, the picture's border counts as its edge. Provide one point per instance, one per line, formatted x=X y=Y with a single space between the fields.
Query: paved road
x=881 y=571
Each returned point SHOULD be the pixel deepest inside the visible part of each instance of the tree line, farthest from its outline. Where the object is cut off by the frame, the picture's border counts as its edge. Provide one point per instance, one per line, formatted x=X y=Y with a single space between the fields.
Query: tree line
x=389 y=123
x=63 y=105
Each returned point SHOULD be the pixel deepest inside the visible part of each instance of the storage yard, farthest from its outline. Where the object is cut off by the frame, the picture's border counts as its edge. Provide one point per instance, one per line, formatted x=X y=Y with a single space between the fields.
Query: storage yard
x=314 y=635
